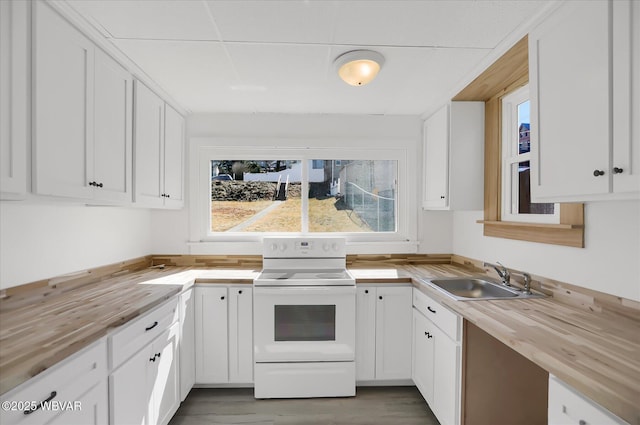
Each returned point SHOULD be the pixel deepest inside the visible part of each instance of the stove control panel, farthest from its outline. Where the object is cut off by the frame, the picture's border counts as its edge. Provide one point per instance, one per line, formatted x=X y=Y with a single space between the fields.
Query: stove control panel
x=294 y=247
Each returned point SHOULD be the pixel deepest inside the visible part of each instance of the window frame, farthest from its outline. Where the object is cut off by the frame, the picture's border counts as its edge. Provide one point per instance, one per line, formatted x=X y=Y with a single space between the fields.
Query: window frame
x=204 y=149
x=511 y=156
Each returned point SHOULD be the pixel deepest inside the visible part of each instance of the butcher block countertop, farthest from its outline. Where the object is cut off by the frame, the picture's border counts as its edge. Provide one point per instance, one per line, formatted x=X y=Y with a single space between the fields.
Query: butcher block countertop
x=596 y=352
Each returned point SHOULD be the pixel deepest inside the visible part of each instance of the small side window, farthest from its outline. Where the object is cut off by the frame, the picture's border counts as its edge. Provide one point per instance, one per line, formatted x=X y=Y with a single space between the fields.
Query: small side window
x=516 y=164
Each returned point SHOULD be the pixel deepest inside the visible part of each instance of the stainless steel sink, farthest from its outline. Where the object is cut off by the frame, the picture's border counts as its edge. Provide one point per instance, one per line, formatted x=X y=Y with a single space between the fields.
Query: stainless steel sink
x=469 y=288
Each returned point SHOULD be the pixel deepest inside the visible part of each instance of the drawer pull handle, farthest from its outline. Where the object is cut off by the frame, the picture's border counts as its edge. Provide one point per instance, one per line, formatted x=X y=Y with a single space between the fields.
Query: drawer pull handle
x=582 y=422
x=430 y=309
x=428 y=335
x=51 y=397
x=222 y=298
x=151 y=327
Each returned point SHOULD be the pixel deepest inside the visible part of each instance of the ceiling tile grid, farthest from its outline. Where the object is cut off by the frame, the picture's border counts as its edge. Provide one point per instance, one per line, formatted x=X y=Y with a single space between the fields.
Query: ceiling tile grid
x=277 y=55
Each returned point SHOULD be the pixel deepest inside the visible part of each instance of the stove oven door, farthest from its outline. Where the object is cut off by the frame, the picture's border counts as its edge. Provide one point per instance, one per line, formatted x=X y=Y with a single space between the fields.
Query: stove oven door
x=304 y=323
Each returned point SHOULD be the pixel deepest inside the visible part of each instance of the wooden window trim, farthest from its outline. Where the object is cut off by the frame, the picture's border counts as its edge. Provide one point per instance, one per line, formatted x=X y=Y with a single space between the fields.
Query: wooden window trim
x=509 y=72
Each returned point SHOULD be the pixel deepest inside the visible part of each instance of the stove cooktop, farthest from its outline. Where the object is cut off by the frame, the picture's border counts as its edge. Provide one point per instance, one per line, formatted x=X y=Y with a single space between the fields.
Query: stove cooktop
x=304 y=277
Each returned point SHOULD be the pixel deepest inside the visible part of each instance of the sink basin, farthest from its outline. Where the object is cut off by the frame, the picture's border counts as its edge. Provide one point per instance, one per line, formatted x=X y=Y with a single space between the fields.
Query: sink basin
x=469 y=288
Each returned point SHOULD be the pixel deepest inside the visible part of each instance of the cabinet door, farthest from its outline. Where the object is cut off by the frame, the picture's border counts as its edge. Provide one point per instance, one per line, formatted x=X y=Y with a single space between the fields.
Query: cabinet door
x=436 y=160
x=63 y=106
x=626 y=96
x=148 y=140
x=165 y=391
x=240 y=335
x=365 y=333
x=110 y=167
x=129 y=391
x=570 y=101
x=187 y=343
x=212 y=361
x=14 y=83
x=92 y=408
x=446 y=378
x=393 y=333
x=173 y=158
x=423 y=356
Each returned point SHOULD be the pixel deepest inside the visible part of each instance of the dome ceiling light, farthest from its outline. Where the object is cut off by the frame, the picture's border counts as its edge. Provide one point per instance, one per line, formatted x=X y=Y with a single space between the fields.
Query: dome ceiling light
x=359 y=67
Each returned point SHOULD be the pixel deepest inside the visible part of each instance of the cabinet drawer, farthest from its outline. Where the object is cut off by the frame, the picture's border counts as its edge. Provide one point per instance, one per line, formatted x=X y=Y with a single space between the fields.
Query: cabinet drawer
x=446 y=320
x=140 y=332
x=62 y=385
x=568 y=406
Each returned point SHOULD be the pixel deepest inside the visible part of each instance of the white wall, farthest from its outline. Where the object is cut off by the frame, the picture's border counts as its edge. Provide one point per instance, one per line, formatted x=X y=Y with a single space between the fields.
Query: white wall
x=170 y=233
x=39 y=241
x=610 y=261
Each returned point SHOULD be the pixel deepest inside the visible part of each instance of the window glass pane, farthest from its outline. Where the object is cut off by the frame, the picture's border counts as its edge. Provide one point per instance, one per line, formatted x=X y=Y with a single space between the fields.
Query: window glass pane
x=256 y=196
x=521 y=192
x=524 y=126
x=305 y=323
x=353 y=196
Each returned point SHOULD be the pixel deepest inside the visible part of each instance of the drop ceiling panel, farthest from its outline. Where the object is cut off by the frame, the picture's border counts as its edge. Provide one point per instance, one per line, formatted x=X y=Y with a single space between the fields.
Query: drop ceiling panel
x=278 y=65
x=275 y=21
x=189 y=71
x=150 y=19
x=467 y=24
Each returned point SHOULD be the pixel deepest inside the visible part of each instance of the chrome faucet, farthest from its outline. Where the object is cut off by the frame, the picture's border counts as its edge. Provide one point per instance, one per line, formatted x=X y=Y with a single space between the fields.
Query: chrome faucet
x=502 y=271
x=527 y=282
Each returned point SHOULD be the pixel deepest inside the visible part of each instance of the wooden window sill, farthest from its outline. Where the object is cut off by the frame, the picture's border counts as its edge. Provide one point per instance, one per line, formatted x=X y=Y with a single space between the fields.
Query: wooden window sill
x=555 y=234
x=537 y=225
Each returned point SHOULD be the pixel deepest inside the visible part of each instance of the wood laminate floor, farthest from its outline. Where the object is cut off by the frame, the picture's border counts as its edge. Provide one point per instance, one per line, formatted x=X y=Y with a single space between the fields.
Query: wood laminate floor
x=370 y=406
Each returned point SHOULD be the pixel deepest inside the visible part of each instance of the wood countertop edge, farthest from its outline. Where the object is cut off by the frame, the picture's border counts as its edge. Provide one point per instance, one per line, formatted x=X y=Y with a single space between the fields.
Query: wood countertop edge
x=625 y=407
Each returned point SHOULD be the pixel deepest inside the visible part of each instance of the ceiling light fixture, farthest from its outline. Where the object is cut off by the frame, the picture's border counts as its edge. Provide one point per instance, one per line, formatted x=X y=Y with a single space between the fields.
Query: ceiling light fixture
x=359 y=67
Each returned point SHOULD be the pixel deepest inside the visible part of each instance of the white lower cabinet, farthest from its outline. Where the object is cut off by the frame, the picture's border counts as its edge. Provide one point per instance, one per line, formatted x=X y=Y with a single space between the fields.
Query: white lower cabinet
x=187 y=342
x=71 y=392
x=383 y=333
x=568 y=406
x=224 y=334
x=437 y=357
x=144 y=389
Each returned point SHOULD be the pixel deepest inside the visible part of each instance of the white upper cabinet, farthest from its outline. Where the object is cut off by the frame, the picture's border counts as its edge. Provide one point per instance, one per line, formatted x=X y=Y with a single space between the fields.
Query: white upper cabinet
x=82 y=115
x=149 y=117
x=159 y=144
x=173 y=158
x=63 y=105
x=584 y=134
x=110 y=165
x=14 y=102
x=453 y=157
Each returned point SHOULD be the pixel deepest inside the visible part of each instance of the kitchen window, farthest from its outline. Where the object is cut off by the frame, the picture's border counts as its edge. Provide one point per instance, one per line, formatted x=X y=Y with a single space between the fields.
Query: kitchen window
x=243 y=189
x=516 y=160
x=308 y=196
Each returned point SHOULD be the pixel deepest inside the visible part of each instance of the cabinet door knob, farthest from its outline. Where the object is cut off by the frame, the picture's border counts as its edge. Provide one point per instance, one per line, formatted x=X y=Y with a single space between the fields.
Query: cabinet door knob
x=222 y=297
x=366 y=291
x=240 y=291
x=380 y=297
x=597 y=173
x=617 y=170
x=442 y=197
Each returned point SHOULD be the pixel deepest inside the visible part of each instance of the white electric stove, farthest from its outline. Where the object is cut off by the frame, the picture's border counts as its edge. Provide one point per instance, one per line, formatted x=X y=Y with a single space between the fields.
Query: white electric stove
x=304 y=320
